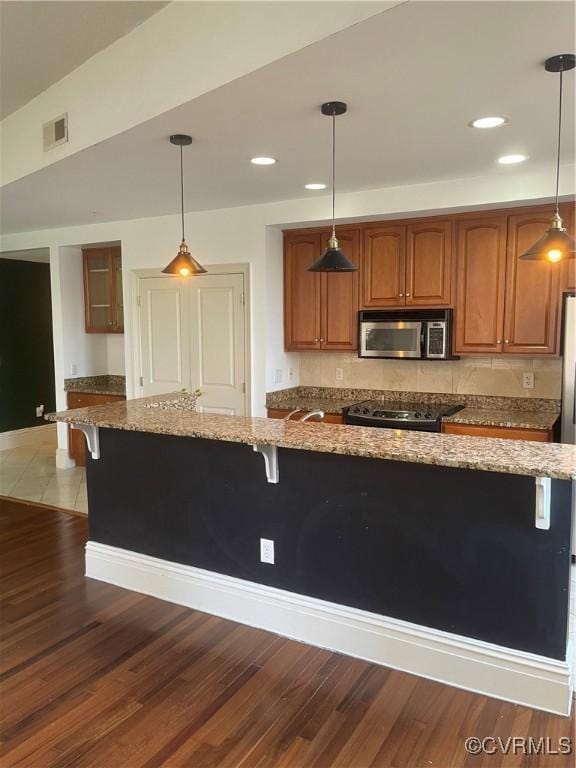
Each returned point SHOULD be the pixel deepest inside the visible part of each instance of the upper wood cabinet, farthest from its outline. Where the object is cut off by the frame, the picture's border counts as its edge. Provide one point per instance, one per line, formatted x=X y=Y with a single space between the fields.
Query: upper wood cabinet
x=301 y=292
x=480 y=290
x=407 y=265
x=384 y=266
x=103 y=303
x=532 y=290
x=429 y=264
x=568 y=213
x=339 y=298
x=320 y=309
x=502 y=304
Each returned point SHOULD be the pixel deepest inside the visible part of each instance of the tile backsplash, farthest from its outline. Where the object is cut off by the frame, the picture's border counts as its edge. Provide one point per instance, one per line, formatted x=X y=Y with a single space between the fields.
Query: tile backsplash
x=470 y=375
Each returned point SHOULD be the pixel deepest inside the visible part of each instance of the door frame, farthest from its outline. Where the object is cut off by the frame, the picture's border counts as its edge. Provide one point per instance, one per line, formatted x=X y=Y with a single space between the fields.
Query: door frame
x=137 y=275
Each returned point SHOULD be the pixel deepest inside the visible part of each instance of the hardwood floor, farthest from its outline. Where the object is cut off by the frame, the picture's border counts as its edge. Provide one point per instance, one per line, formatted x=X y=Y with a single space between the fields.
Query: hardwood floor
x=93 y=675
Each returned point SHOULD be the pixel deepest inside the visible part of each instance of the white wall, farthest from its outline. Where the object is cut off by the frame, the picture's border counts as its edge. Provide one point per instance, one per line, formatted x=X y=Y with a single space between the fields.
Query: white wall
x=247 y=235
x=115 y=354
x=282 y=368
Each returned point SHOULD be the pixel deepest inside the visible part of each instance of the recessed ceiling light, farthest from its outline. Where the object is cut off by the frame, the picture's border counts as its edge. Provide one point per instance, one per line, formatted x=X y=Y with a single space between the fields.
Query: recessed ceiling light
x=511 y=159
x=488 y=122
x=263 y=161
x=315 y=186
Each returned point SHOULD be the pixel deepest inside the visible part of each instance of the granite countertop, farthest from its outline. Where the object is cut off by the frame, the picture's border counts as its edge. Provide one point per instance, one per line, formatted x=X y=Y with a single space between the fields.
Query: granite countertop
x=504 y=418
x=106 y=384
x=487 y=411
x=326 y=404
x=518 y=457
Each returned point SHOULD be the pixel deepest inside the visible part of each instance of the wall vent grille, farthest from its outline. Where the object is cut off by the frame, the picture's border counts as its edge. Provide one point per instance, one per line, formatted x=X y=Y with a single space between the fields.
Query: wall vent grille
x=55 y=132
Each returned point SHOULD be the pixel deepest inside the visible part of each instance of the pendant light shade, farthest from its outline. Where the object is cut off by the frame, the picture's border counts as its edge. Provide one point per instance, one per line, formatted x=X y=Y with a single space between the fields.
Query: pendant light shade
x=333 y=259
x=555 y=244
x=183 y=264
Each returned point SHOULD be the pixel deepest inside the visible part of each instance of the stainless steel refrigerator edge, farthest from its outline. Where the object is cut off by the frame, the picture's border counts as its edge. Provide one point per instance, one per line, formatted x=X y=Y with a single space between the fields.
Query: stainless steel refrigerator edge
x=568 y=433
x=568 y=424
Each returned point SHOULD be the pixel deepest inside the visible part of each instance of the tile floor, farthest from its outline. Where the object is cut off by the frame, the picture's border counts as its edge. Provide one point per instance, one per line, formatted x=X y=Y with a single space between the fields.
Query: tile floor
x=29 y=472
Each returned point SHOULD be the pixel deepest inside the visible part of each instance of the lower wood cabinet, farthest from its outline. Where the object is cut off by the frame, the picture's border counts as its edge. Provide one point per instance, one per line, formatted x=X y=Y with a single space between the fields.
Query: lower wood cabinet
x=76 y=439
x=281 y=413
x=510 y=433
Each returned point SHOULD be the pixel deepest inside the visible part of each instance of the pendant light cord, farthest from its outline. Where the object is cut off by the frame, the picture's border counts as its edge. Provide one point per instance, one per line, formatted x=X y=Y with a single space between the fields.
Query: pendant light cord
x=559 y=138
x=333 y=174
x=182 y=191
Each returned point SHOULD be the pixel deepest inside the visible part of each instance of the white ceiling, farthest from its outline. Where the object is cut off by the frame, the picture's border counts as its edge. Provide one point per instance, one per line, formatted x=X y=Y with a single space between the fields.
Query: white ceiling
x=413 y=78
x=41 y=42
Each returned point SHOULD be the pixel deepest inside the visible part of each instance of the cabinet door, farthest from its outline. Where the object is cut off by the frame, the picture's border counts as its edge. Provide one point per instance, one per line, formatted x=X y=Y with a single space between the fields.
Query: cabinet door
x=429 y=264
x=98 y=290
x=569 y=268
x=118 y=301
x=301 y=292
x=339 y=299
x=481 y=272
x=532 y=290
x=383 y=266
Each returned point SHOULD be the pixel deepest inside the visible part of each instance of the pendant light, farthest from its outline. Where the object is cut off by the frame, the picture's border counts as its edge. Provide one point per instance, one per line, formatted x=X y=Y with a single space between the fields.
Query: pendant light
x=183 y=263
x=556 y=244
x=333 y=260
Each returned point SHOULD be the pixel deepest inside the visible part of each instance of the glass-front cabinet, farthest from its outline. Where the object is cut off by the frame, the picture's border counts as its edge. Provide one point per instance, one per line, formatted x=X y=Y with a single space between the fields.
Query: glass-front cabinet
x=104 y=308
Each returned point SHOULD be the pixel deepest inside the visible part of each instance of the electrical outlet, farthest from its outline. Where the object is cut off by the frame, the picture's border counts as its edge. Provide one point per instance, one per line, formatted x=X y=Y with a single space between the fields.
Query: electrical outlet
x=39 y=410
x=73 y=369
x=278 y=376
x=528 y=380
x=339 y=374
x=290 y=374
x=267 y=551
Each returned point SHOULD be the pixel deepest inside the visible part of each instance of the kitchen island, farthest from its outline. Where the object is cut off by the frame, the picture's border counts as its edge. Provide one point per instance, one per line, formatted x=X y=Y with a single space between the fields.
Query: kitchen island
x=443 y=555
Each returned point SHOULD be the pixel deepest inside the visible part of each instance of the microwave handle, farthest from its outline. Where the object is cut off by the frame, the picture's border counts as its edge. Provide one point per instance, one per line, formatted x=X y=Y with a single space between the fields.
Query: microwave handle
x=423 y=340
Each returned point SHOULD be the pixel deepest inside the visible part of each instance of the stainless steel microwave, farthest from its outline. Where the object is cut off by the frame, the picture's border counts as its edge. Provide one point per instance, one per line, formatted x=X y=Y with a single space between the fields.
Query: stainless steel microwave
x=405 y=334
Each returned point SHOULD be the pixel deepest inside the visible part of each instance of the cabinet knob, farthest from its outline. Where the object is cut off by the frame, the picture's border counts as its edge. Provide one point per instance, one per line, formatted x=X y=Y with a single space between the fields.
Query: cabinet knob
x=506 y=341
x=400 y=294
x=316 y=341
x=407 y=294
x=498 y=341
x=322 y=340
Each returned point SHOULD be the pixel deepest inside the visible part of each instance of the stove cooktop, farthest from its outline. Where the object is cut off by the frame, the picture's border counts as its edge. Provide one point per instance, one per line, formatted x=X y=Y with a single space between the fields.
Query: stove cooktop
x=401 y=412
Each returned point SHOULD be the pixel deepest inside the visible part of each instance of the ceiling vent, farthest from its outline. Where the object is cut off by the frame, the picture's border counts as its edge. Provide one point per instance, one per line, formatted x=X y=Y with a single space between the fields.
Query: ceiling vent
x=55 y=132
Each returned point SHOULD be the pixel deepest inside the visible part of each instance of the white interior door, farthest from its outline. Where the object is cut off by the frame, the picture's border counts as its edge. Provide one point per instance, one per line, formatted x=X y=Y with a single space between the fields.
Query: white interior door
x=192 y=334
x=164 y=335
x=218 y=343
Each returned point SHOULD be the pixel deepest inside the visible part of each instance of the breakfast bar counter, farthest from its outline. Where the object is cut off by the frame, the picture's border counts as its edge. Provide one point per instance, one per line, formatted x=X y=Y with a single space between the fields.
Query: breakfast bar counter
x=443 y=555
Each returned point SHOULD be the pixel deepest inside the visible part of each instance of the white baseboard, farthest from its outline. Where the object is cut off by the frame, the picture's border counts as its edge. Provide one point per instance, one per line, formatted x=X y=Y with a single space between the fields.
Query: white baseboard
x=63 y=460
x=516 y=676
x=45 y=433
